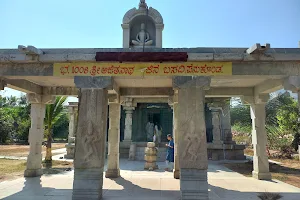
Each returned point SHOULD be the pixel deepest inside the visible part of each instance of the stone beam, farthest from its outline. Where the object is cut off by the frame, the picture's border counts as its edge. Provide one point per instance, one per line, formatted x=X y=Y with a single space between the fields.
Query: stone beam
x=151 y=92
x=60 y=91
x=269 y=86
x=150 y=100
x=75 y=56
x=24 y=86
x=229 y=92
x=267 y=68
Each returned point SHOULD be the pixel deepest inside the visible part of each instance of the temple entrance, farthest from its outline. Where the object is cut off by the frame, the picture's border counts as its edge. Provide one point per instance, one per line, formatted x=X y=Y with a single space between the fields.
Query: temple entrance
x=146 y=117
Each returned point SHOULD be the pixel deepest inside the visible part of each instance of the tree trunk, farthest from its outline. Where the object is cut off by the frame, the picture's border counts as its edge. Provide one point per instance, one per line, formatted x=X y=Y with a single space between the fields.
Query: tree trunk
x=48 y=158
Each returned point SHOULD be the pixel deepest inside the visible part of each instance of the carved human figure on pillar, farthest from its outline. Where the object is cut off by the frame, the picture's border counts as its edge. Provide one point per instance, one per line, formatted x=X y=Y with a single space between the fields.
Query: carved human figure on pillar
x=216 y=126
x=142 y=38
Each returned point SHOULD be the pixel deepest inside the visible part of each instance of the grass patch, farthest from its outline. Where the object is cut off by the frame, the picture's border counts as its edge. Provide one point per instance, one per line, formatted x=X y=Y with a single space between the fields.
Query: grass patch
x=23 y=150
x=11 y=168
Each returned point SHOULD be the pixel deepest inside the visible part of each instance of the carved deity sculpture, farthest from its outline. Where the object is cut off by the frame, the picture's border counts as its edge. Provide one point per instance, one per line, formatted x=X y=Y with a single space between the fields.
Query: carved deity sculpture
x=142 y=37
x=150 y=131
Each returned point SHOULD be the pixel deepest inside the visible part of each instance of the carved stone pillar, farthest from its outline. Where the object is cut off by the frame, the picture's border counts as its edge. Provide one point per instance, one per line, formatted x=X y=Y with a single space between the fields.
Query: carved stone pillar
x=36 y=133
x=216 y=123
x=72 y=129
x=113 y=166
x=129 y=107
x=90 y=137
x=128 y=124
x=192 y=147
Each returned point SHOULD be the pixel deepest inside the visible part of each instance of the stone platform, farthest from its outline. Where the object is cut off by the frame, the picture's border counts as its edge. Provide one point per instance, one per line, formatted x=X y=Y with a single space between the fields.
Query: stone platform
x=215 y=152
x=138 y=184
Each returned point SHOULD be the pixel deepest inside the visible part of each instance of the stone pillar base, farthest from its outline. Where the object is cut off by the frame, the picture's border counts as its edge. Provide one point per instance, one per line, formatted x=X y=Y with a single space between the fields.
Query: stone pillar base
x=262 y=176
x=70 y=151
x=112 y=173
x=176 y=174
x=193 y=184
x=33 y=172
x=87 y=184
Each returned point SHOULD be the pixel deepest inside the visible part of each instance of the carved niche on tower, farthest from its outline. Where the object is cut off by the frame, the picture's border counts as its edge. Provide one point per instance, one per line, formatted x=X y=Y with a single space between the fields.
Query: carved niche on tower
x=142 y=27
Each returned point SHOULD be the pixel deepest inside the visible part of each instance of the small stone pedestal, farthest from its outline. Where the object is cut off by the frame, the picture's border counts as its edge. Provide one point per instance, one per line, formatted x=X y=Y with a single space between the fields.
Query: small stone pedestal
x=150 y=157
x=70 y=146
x=70 y=151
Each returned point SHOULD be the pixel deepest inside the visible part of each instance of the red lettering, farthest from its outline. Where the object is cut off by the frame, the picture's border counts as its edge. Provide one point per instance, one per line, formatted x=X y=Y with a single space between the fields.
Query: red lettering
x=166 y=70
x=181 y=69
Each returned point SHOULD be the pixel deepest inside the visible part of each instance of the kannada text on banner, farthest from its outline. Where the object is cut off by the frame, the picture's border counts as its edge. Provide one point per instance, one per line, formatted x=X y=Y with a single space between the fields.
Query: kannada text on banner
x=143 y=69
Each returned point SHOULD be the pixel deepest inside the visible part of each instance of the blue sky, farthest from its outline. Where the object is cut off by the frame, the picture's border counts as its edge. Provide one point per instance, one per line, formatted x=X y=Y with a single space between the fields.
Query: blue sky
x=189 y=23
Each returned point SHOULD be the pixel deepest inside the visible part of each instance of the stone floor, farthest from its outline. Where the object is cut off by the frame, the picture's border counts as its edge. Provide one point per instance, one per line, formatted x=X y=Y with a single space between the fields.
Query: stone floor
x=137 y=184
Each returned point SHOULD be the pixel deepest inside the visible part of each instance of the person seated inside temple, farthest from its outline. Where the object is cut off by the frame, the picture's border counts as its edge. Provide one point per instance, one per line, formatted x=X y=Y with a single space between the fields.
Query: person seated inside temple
x=142 y=38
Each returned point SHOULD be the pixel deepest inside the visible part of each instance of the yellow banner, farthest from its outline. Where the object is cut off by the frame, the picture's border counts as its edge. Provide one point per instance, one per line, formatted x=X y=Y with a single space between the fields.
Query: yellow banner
x=143 y=69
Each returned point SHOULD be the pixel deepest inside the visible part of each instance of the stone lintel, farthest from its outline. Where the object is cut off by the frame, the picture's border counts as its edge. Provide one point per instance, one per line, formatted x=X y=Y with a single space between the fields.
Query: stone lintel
x=191 y=81
x=24 y=86
x=269 y=86
x=87 y=82
x=289 y=67
x=40 y=99
x=60 y=91
x=151 y=92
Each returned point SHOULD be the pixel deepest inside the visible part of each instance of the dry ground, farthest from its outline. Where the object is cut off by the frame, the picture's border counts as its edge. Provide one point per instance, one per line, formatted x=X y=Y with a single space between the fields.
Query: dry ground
x=288 y=171
x=11 y=169
x=23 y=150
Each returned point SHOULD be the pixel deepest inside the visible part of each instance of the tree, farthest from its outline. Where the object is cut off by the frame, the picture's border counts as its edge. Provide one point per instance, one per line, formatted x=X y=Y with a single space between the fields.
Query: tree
x=53 y=114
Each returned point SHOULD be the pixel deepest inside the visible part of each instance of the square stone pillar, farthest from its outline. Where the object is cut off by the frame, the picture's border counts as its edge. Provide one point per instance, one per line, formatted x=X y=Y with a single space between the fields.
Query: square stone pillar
x=36 y=133
x=90 y=137
x=259 y=138
x=113 y=166
x=192 y=147
x=176 y=172
x=72 y=129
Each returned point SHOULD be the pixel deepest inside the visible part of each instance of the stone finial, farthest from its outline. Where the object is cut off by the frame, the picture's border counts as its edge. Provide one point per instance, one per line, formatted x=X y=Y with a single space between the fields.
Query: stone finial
x=142 y=4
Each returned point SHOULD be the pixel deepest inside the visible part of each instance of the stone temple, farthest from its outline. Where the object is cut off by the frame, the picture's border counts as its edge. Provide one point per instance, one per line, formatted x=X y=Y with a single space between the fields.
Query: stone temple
x=127 y=93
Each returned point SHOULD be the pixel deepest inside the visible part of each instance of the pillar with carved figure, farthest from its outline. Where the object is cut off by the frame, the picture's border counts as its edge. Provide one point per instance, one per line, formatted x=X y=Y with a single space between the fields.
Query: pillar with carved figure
x=90 y=137
x=36 y=133
x=192 y=147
